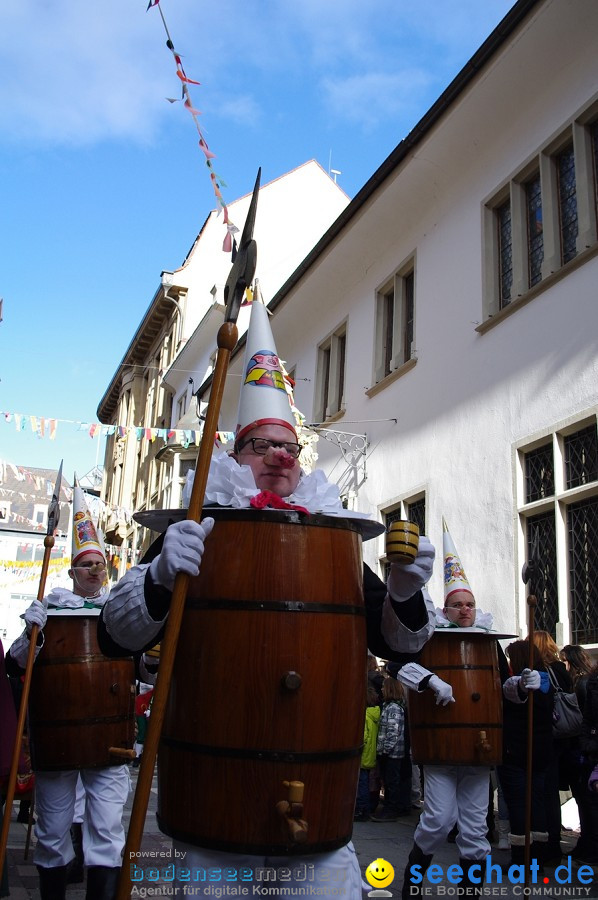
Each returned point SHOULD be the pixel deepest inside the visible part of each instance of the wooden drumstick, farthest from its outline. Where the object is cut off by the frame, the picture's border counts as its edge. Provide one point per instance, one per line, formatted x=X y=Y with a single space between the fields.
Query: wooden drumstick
x=124 y=752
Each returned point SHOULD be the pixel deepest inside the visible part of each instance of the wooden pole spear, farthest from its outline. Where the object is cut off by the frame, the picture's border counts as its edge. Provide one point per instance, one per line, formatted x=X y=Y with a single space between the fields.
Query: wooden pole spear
x=530 y=576
x=53 y=519
x=240 y=278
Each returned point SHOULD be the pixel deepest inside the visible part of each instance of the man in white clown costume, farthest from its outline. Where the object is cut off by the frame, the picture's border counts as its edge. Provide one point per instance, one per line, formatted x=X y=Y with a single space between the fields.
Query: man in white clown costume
x=264 y=470
x=106 y=789
x=455 y=793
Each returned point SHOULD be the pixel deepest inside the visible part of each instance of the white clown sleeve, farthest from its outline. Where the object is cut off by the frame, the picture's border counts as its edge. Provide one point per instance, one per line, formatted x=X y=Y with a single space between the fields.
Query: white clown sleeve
x=125 y=613
x=19 y=649
x=511 y=690
x=398 y=636
x=411 y=674
x=146 y=677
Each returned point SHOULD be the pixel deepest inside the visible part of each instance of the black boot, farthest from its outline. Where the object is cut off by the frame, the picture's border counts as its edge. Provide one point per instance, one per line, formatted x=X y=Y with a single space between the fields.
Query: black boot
x=75 y=868
x=469 y=888
x=517 y=849
x=52 y=882
x=538 y=851
x=416 y=858
x=102 y=882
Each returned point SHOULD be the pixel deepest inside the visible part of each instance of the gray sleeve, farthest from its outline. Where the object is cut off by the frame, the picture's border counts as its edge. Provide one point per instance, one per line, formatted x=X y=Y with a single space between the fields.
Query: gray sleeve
x=398 y=636
x=126 y=616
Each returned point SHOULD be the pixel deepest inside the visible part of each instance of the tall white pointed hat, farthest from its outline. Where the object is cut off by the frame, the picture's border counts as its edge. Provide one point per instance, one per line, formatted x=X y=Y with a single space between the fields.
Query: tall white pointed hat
x=86 y=538
x=264 y=399
x=455 y=578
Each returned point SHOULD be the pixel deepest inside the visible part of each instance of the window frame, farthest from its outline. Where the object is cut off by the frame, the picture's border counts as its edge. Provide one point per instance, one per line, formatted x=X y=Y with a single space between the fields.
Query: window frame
x=395 y=322
x=581 y=134
x=331 y=370
x=559 y=503
x=393 y=510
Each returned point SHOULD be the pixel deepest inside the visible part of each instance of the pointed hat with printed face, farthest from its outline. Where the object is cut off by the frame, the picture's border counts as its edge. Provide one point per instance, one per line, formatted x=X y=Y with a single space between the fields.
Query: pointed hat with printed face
x=85 y=534
x=455 y=578
x=264 y=399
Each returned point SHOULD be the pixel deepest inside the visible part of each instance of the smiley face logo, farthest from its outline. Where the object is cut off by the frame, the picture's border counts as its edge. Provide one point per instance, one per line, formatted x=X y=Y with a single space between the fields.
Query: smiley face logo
x=379 y=873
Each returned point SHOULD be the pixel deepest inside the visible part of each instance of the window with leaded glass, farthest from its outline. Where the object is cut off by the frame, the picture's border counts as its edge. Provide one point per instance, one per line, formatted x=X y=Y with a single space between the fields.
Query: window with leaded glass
x=505 y=254
x=582 y=529
x=539 y=473
x=567 y=203
x=534 y=224
x=542 y=529
x=416 y=513
x=535 y=231
x=391 y=517
x=412 y=510
x=581 y=457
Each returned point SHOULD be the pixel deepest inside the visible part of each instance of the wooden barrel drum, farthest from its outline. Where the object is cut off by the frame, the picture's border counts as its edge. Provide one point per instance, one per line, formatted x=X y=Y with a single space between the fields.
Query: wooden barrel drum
x=268 y=686
x=469 y=731
x=81 y=703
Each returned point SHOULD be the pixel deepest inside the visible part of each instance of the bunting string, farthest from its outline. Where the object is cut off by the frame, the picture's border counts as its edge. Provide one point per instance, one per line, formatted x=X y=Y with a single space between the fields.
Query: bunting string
x=229 y=243
x=46 y=427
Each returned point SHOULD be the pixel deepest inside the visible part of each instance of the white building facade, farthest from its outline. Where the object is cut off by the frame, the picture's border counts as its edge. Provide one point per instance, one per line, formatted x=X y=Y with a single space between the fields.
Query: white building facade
x=449 y=319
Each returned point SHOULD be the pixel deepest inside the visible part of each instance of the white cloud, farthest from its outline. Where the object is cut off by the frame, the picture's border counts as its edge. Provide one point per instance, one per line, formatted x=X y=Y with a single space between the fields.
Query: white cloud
x=242 y=109
x=78 y=72
x=375 y=96
x=81 y=72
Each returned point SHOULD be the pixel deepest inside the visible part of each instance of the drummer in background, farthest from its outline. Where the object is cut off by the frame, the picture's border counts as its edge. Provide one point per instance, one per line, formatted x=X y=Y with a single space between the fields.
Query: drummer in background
x=263 y=470
x=455 y=793
x=106 y=789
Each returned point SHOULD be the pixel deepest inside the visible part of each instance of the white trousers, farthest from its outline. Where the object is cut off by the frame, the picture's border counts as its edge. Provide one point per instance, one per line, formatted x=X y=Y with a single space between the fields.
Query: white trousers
x=106 y=791
x=455 y=793
x=339 y=871
x=79 y=813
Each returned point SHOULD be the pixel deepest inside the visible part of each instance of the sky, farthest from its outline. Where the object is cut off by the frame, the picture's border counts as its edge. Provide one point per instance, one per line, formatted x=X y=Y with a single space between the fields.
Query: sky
x=102 y=182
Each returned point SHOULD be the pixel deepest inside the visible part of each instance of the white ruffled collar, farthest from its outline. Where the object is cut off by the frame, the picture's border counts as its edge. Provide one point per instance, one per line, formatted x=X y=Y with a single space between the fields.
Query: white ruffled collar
x=230 y=484
x=62 y=598
x=483 y=621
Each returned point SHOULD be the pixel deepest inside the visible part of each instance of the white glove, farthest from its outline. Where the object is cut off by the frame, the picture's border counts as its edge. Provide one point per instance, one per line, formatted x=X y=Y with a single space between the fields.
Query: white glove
x=405 y=581
x=530 y=680
x=443 y=690
x=36 y=614
x=181 y=552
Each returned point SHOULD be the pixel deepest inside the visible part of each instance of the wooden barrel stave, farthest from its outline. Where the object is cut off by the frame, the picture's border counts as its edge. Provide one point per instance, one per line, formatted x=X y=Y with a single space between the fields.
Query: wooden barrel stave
x=451 y=735
x=80 y=703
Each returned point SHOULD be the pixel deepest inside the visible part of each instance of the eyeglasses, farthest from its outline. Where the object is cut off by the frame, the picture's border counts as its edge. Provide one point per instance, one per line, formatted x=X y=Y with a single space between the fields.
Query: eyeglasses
x=92 y=568
x=262 y=445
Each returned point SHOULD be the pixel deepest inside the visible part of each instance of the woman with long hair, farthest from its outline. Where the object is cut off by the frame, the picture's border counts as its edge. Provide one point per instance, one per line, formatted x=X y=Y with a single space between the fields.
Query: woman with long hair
x=577 y=767
x=589 y=749
x=551 y=658
x=579 y=665
x=512 y=772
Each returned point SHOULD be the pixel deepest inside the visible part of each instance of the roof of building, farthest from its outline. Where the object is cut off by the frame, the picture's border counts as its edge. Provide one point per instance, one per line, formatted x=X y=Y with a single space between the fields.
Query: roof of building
x=25 y=492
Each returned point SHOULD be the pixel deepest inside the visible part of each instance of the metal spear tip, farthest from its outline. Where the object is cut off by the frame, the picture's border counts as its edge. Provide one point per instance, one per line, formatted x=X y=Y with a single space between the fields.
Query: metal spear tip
x=245 y=261
x=531 y=568
x=529 y=571
x=54 y=507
